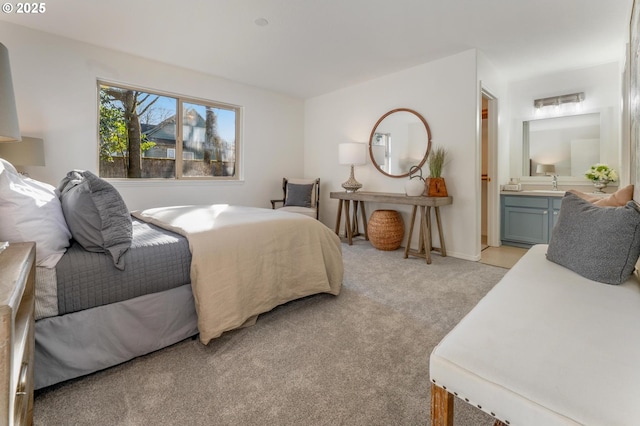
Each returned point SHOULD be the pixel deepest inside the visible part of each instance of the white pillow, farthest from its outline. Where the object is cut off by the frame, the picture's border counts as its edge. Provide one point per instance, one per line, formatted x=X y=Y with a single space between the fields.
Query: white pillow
x=31 y=211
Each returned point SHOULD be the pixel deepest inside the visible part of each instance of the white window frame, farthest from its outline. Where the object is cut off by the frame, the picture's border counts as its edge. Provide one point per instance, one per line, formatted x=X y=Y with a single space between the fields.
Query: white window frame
x=178 y=152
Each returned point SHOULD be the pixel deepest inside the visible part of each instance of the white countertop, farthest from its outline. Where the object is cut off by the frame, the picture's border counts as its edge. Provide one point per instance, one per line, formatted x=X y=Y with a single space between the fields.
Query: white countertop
x=536 y=192
x=547 y=193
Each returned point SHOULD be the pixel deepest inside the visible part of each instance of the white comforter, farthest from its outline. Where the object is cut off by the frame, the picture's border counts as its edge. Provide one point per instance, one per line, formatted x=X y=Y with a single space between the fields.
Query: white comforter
x=246 y=261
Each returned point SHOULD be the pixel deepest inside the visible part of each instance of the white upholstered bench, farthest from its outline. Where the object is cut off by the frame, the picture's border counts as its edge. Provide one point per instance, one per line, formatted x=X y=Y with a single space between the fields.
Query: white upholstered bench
x=545 y=346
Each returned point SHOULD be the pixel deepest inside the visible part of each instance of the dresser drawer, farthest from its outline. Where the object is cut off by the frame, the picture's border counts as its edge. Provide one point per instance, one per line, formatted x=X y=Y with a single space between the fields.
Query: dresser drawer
x=524 y=201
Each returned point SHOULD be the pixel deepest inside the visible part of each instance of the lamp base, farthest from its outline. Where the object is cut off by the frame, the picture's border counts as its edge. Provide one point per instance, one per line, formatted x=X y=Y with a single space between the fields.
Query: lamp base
x=351 y=184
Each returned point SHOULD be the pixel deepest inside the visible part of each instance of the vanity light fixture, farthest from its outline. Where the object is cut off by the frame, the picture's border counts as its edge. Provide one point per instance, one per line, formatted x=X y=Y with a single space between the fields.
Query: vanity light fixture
x=559 y=100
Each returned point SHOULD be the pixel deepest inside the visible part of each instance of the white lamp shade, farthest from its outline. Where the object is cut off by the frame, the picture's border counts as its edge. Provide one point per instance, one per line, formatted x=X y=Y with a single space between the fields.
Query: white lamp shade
x=352 y=153
x=545 y=168
x=9 y=128
x=29 y=152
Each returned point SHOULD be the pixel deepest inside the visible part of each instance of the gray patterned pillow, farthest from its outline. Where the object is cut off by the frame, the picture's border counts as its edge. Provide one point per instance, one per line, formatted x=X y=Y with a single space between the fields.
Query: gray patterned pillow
x=599 y=243
x=96 y=215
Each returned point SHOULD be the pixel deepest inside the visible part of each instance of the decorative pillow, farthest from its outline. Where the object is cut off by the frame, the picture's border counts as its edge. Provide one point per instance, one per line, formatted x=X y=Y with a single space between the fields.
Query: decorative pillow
x=30 y=211
x=97 y=215
x=618 y=199
x=299 y=195
x=599 y=243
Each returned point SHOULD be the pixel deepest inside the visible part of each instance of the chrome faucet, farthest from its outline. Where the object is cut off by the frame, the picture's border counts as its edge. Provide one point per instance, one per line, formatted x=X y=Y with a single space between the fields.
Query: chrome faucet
x=554 y=182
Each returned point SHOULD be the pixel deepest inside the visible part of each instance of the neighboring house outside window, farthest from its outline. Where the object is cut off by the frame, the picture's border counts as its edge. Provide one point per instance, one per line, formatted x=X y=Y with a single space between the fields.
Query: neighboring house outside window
x=143 y=134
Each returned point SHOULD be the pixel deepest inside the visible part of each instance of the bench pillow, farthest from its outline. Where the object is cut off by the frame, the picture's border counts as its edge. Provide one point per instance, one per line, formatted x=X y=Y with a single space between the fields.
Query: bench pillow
x=619 y=198
x=599 y=243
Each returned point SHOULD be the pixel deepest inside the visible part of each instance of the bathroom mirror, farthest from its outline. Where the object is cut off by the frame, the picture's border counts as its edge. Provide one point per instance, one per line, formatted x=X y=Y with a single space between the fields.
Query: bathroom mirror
x=400 y=139
x=571 y=144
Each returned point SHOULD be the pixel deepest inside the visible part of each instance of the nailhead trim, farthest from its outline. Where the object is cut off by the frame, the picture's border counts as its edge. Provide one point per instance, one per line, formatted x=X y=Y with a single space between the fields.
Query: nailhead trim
x=478 y=405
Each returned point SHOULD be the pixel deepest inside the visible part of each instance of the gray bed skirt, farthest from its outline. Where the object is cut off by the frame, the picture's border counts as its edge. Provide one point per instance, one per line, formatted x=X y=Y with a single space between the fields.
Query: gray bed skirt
x=87 y=341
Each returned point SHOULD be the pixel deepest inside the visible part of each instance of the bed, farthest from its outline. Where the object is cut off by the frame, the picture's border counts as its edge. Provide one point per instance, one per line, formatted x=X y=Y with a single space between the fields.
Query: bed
x=112 y=285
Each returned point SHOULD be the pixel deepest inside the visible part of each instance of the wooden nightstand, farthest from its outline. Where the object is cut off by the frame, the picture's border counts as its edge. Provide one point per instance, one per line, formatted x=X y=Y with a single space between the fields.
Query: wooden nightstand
x=17 y=302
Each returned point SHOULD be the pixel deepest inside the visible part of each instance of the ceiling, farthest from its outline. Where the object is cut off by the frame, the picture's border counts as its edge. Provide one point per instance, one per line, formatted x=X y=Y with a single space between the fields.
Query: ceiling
x=312 y=47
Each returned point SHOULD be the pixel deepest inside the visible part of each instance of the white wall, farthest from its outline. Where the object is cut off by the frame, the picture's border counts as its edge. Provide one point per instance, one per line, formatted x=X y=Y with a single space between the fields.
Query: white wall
x=602 y=87
x=55 y=86
x=445 y=93
x=493 y=84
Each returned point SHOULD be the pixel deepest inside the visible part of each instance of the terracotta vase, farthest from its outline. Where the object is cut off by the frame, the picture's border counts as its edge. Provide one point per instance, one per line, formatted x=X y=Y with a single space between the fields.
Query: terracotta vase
x=435 y=187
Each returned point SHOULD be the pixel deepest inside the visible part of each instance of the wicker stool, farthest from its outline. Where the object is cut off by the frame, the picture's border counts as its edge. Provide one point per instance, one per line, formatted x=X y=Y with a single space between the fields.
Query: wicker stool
x=385 y=229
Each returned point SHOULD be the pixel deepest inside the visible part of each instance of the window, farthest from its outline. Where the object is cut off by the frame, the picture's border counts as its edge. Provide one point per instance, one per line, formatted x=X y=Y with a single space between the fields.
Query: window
x=143 y=134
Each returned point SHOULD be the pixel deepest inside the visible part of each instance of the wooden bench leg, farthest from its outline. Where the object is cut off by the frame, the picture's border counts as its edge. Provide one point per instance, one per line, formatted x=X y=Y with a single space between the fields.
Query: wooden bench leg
x=441 y=407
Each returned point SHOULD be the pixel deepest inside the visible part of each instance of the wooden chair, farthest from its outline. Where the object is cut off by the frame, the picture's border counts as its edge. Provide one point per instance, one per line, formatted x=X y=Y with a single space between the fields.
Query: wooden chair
x=300 y=196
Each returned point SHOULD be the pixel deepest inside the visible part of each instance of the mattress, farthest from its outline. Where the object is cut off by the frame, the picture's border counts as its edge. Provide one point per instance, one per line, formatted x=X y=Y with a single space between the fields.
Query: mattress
x=157 y=260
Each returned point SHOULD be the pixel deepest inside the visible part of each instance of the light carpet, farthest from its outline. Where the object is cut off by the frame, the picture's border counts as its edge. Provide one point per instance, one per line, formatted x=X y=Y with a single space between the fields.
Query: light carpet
x=361 y=358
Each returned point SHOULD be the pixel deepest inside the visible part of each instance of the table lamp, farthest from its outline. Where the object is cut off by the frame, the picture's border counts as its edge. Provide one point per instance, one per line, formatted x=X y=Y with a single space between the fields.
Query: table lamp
x=28 y=152
x=353 y=154
x=546 y=169
x=9 y=128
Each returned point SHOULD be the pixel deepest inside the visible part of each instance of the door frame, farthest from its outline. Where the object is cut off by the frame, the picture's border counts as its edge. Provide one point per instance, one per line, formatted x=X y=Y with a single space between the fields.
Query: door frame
x=493 y=199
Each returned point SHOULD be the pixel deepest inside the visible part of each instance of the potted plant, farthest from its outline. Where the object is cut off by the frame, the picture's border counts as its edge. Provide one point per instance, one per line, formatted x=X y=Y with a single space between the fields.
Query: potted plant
x=434 y=184
x=601 y=174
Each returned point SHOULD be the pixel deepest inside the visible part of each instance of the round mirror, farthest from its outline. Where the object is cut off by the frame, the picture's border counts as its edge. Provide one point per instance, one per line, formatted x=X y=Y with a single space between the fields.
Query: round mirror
x=400 y=139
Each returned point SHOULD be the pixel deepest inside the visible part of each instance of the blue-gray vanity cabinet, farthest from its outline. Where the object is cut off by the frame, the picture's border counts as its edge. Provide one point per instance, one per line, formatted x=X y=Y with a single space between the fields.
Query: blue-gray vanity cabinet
x=528 y=220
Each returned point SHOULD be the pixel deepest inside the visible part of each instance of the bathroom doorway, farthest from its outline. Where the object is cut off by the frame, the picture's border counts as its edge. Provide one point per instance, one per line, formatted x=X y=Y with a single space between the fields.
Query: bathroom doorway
x=485 y=173
x=489 y=211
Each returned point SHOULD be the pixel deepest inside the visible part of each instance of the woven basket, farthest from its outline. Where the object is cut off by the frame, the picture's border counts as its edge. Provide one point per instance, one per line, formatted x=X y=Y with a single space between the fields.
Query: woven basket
x=385 y=229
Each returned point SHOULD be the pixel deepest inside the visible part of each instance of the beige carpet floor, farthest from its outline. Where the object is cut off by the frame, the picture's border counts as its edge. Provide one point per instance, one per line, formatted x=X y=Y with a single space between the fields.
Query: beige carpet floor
x=361 y=358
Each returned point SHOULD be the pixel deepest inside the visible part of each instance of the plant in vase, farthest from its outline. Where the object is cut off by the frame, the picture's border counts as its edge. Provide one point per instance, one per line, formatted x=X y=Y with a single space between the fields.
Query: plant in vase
x=434 y=184
x=601 y=174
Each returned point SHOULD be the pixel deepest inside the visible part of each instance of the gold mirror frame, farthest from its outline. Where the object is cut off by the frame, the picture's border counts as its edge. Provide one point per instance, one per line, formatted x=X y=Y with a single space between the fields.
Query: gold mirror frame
x=374 y=131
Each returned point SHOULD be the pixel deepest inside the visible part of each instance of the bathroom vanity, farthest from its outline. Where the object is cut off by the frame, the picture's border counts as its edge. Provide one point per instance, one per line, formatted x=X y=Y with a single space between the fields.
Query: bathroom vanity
x=528 y=217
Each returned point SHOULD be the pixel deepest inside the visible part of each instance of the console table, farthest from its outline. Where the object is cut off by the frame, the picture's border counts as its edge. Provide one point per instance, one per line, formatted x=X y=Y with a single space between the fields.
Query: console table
x=425 y=204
